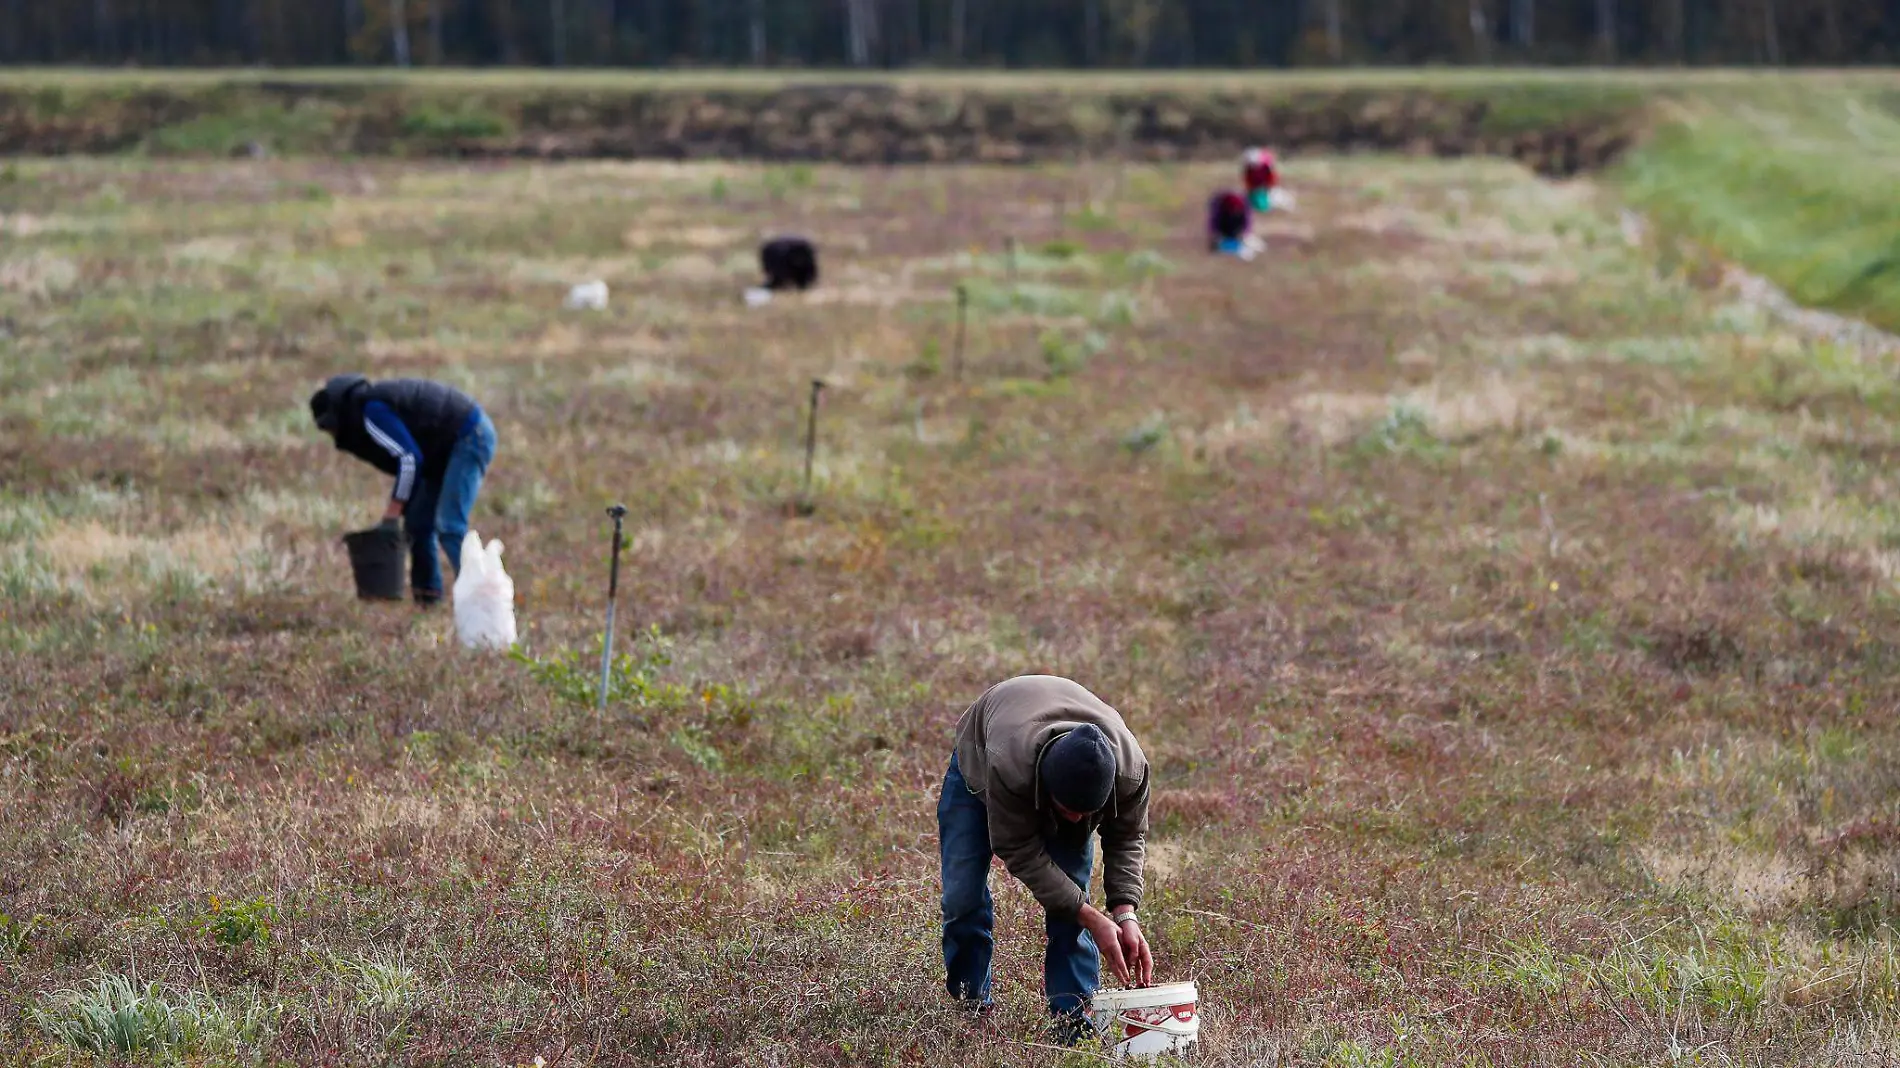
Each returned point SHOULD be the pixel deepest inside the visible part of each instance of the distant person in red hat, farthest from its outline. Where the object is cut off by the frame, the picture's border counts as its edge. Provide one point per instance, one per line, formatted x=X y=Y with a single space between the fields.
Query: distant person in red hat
x=1260 y=175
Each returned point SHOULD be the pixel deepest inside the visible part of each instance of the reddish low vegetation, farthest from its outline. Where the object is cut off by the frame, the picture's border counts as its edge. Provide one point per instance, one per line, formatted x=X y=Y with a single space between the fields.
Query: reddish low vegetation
x=1508 y=616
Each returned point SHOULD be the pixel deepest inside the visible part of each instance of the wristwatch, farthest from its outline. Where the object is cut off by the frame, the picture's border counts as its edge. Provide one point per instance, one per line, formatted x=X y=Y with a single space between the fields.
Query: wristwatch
x=1124 y=917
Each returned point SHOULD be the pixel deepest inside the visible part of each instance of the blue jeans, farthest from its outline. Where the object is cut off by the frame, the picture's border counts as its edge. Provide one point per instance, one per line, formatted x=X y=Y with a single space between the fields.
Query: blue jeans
x=1071 y=966
x=437 y=513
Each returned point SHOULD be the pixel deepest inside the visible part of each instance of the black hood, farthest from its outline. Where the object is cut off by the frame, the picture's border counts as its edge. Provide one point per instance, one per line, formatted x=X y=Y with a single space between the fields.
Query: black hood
x=327 y=404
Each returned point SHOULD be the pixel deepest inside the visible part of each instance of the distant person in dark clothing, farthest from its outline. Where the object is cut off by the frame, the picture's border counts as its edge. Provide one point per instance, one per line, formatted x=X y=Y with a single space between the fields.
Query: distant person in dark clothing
x=437 y=443
x=1228 y=218
x=789 y=262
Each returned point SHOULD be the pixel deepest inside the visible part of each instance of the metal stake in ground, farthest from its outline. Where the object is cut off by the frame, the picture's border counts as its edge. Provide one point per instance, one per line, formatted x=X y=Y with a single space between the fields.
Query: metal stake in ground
x=619 y=513
x=963 y=314
x=811 y=446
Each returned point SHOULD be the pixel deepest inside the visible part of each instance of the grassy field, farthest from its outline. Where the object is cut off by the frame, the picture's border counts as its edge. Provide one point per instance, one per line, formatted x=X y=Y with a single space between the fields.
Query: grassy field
x=1797 y=183
x=1508 y=611
x=1790 y=172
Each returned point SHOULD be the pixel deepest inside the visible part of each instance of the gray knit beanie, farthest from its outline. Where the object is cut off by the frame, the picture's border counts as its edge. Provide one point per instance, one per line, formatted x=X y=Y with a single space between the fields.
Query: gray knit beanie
x=1078 y=769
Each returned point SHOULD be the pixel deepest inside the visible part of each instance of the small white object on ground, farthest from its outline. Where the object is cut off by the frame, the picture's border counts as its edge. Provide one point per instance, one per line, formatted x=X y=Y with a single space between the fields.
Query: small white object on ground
x=484 y=597
x=757 y=296
x=1284 y=200
x=588 y=295
x=1634 y=227
x=1145 y=1022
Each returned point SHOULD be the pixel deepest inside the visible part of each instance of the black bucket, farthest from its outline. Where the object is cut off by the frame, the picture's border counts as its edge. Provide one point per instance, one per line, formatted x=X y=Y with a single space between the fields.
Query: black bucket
x=376 y=558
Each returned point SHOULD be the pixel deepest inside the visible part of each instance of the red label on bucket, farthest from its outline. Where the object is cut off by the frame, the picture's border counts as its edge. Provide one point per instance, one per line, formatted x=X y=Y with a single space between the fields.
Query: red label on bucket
x=1136 y=1022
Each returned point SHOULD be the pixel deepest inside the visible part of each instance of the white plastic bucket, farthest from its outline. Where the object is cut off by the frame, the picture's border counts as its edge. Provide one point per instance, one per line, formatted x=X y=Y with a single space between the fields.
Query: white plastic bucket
x=1149 y=1020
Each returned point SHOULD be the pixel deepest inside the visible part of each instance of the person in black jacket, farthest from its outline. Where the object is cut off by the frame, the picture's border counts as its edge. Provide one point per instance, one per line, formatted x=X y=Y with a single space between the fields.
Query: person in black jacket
x=435 y=440
x=789 y=262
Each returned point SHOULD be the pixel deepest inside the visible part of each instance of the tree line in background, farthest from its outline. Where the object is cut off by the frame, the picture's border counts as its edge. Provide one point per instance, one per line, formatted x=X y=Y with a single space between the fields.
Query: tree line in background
x=947 y=33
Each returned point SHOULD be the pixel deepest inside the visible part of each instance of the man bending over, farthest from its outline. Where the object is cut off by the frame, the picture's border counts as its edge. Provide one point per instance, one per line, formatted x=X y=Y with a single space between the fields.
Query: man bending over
x=1040 y=765
x=436 y=442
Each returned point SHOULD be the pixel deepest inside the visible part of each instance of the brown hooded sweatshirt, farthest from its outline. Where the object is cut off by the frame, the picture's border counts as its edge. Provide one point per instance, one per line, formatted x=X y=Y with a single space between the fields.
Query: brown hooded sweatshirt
x=1000 y=741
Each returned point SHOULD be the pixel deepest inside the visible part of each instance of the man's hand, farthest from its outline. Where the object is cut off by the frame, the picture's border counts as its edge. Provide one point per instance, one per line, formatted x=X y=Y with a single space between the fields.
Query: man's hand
x=393 y=511
x=1107 y=939
x=1135 y=951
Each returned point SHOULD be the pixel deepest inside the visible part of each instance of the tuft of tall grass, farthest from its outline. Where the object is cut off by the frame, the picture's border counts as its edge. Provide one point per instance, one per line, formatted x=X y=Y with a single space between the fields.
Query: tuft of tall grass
x=381 y=986
x=116 y=1017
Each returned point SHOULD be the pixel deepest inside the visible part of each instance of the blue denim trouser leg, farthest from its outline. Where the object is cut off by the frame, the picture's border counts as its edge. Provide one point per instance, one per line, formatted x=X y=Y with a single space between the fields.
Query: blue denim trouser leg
x=461 y=484
x=438 y=514
x=418 y=518
x=1071 y=965
x=969 y=917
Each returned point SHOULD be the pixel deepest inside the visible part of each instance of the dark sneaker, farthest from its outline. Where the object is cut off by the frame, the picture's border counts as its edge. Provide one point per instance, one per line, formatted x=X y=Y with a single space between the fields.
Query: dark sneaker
x=428 y=598
x=979 y=1017
x=1071 y=1029
x=973 y=1008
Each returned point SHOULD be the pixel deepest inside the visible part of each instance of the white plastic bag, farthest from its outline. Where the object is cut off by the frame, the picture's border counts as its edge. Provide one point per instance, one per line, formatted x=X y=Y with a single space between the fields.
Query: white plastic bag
x=757 y=297
x=484 y=597
x=588 y=295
